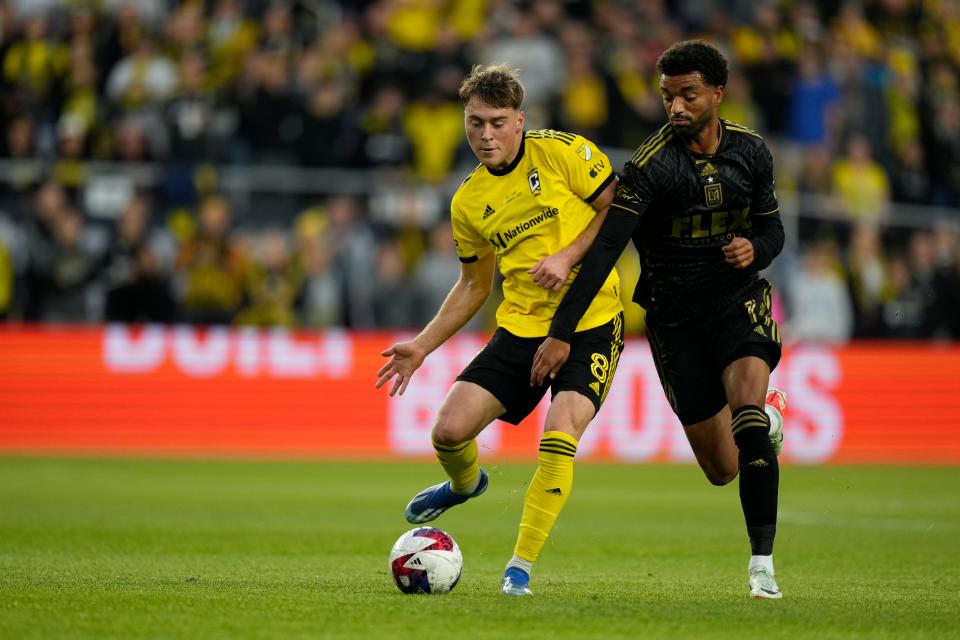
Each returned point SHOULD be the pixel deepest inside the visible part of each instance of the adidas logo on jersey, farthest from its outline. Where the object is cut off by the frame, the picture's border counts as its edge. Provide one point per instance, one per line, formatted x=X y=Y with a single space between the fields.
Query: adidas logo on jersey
x=708 y=170
x=489 y=211
x=596 y=387
x=555 y=491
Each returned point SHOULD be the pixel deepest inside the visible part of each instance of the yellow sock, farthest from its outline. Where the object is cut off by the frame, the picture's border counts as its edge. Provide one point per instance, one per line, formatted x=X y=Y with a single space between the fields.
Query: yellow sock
x=547 y=493
x=460 y=463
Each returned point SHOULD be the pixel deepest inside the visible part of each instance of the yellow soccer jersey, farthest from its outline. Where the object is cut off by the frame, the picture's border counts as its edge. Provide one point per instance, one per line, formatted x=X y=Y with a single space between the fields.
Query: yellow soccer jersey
x=528 y=211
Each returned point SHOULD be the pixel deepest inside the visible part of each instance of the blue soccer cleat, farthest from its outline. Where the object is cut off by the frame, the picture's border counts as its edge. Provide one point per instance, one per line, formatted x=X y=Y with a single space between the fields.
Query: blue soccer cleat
x=430 y=503
x=516 y=582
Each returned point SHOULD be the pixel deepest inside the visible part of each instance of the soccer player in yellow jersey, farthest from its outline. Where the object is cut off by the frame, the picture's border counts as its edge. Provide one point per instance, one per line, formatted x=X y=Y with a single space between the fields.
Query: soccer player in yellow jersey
x=531 y=208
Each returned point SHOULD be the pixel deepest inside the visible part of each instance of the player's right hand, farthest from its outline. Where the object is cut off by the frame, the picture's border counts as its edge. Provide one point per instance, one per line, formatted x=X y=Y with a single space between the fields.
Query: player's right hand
x=551 y=272
x=405 y=358
x=551 y=356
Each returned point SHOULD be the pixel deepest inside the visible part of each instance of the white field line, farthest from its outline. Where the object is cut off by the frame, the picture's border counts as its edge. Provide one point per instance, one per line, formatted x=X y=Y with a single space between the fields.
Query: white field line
x=864 y=522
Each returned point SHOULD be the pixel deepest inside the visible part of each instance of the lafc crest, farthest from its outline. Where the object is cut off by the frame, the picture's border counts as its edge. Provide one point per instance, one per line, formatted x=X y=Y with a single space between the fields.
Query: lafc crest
x=713 y=193
x=533 y=179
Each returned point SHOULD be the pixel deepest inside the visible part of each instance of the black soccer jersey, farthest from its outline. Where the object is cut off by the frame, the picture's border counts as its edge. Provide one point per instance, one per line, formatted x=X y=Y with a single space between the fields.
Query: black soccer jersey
x=681 y=208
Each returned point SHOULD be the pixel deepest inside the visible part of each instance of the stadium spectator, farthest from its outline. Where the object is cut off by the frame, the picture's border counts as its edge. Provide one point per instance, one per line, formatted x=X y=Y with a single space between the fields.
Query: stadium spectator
x=323 y=294
x=910 y=179
x=331 y=137
x=904 y=313
x=230 y=35
x=19 y=141
x=272 y=283
x=922 y=261
x=768 y=49
x=70 y=169
x=385 y=143
x=393 y=306
x=813 y=96
x=355 y=249
x=902 y=97
x=192 y=115
x=861 y=183
x=434 y=124
x=582 y=100
x=133 y=230
x=269 y=122
x=144 y=296
x=143 y=79
x=942 y=138
x=184 y=32
x=819 y=303
x=523 y=44
x=737 y=105
x=867 y=278
x=64 y=275
x=947 y=291
x=33 y=67
x=212 y=267
x=435 y=273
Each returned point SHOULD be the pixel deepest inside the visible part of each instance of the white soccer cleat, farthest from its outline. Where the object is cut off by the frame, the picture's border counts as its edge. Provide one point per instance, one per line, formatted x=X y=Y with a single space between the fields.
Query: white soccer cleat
x=776 y=406
x=762 y=584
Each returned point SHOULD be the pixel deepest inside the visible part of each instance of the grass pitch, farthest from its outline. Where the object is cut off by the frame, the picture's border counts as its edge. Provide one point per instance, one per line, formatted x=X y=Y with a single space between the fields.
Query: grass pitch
x=93 y=548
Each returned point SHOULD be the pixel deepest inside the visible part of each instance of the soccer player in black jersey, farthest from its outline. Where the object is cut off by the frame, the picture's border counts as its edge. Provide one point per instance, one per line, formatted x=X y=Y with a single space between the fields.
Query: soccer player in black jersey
x=698 y=200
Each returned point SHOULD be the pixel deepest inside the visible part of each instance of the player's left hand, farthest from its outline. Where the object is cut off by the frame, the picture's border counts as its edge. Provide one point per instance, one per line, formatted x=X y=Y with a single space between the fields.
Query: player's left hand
x=551 y=355
x=739 y=253
x=551 y=272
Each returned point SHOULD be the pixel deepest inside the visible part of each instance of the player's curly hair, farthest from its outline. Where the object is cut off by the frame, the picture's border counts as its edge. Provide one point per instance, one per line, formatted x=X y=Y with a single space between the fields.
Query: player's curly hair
x=690 y=56
x=496 y=85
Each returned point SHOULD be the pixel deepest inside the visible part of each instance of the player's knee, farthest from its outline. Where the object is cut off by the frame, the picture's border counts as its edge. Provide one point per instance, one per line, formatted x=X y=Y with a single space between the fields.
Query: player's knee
x=720 y=478
x=720 y=475
x=447 y=433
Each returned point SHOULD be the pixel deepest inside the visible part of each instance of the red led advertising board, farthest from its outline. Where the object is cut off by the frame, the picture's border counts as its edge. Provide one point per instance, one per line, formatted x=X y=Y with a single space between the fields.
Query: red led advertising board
x=184 y=390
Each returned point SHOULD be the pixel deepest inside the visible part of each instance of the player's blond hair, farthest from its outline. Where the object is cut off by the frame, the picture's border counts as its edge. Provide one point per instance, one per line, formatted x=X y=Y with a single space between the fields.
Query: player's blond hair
x=495 y=85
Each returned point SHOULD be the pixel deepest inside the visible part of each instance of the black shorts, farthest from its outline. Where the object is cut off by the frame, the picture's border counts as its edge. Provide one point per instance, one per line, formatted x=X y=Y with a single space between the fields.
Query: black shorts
x=503 y=368
x=691 y=357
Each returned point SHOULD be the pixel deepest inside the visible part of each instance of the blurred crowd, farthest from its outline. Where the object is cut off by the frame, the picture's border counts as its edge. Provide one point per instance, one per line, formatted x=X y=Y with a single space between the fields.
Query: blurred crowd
x=859 y=101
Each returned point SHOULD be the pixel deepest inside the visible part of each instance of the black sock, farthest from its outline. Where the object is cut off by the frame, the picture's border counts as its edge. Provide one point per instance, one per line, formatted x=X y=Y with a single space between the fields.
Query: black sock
x=759 y=477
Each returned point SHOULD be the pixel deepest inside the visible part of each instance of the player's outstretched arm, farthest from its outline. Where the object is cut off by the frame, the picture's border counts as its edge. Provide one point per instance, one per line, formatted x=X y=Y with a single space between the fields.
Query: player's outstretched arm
x=552 y=272
x=464 y=300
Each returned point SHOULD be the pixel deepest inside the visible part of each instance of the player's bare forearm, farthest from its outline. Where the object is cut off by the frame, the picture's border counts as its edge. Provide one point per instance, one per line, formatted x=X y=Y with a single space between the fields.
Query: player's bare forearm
x=460 y=305
x=553 y=271
x=464 y=300
x=578 y=248
x=601 y=204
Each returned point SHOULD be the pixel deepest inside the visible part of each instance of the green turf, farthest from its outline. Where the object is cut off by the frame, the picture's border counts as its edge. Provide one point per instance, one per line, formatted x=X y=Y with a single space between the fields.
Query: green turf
x=229 y=549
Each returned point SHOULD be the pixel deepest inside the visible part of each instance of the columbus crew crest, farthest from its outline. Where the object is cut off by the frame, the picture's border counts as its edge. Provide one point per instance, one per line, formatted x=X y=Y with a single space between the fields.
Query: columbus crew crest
x=533 y=179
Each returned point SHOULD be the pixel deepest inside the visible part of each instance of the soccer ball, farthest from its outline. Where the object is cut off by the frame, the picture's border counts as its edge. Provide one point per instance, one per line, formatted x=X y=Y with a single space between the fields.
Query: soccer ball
x=426 y=560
